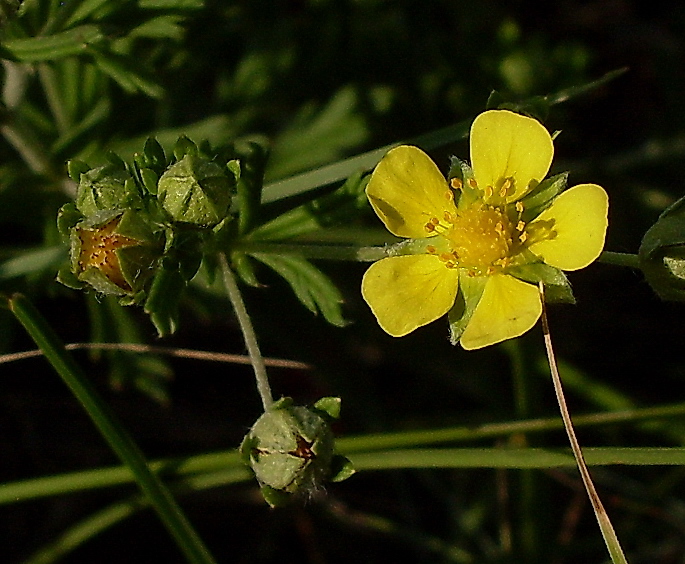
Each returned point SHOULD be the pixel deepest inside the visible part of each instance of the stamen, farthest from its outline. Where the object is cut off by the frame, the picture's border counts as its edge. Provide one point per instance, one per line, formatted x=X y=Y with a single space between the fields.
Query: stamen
x=456 y=183
x=488 y=192
x=520 y=226
x=472 y=183
x=519 y=206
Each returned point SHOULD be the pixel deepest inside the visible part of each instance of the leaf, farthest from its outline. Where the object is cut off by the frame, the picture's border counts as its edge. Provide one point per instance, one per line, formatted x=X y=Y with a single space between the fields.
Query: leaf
x=126 y=73
x=53 y=47
x=33 y=260
x=311 y=286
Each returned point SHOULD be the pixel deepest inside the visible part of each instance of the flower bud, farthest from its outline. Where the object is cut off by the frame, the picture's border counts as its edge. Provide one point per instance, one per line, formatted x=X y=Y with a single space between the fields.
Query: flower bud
x=115 y=252
x=291 y=450
x=195 y=190
x=106 y=188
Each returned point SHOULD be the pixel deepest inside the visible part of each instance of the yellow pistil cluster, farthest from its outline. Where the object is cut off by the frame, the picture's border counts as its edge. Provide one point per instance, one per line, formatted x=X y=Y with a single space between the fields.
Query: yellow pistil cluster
x=481 y=239
x=98 y=250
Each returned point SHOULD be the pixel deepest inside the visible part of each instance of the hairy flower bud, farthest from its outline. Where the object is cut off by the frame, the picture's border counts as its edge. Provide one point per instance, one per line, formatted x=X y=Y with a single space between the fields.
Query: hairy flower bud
x=291 y=449
x=106 y=188
x=195 y=190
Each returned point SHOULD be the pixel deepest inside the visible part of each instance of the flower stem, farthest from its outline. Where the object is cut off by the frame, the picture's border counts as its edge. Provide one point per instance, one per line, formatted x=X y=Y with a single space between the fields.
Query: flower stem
x=249 y=334
x=620 y=259
x=610 y=538
x=349 y=252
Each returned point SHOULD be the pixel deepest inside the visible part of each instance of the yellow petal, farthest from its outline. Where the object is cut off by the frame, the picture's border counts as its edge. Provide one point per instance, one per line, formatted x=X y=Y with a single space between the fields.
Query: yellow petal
x=507 y=309
x=579 y=218
x=409 y=291
x=509 y=145
x=406 y=190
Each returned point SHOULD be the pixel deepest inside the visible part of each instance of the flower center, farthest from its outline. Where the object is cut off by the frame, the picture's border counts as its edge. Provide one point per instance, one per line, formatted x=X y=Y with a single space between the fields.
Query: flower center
x=481 y=239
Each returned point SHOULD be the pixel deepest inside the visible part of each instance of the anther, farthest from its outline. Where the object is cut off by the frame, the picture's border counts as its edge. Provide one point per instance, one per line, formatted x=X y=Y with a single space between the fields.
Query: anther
x=472 y=183
x=456 y=183
x=520 y=226
x=519 y=206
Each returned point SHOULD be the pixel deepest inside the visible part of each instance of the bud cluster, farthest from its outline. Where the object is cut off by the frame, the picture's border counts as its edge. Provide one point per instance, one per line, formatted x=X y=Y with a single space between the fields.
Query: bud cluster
x=137 y=229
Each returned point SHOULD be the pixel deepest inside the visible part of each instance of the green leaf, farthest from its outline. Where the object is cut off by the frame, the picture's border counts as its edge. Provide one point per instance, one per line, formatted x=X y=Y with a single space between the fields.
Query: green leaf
x=33 y=260
x=52 y=47
x=311 y=286
x=126 y=73
x=171 y=4
x=336 y=208
x=319 y=136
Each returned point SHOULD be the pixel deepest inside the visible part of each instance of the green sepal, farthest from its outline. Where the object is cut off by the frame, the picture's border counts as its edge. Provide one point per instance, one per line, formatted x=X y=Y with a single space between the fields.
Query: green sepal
x=469 y=294
x=541 y=197
x=662 y=254
x=469 y=191
x=153 y=156
x=341 y=468
x=67 y=216
x=163 y=298
x=316 y=291
x=67 y=278
x=249 y=186
x=244 y=268
x=75 y=168
x=149 y=179
x=275 y=498
x=330 y=406
x=557 y=287
x=184 y=147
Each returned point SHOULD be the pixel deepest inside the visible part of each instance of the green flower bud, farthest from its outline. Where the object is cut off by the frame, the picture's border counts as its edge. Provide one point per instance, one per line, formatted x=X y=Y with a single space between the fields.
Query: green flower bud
x=115 y=252
x=662 y=254
x=106 y=188
x=195 y=190
x=291 y=450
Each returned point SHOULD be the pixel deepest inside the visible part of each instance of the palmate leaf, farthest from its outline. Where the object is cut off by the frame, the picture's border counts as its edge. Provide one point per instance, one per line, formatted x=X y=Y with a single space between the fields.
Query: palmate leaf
x=312 y=287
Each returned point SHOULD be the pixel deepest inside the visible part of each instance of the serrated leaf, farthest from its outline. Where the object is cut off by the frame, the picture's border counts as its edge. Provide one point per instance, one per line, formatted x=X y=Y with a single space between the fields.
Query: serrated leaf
x=311 y=286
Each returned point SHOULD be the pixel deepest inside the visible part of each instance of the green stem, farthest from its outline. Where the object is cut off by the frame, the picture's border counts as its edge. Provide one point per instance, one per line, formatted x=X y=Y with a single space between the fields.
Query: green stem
x=620 y=259
x=249 y=334
x=113 y=432
x=313 y=250
x=367 y=446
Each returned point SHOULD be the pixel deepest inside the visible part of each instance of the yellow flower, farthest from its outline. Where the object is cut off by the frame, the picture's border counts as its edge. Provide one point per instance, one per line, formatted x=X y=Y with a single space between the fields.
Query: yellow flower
x=478 y=245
